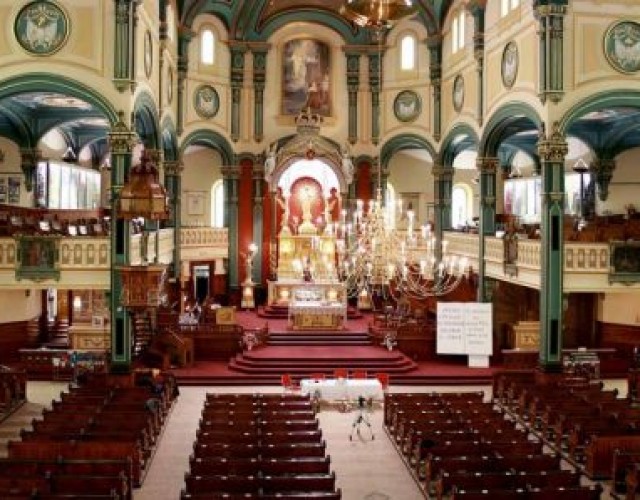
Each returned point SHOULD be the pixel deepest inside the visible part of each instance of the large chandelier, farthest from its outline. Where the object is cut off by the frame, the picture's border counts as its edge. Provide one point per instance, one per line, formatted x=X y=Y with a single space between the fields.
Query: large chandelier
x=373 y=256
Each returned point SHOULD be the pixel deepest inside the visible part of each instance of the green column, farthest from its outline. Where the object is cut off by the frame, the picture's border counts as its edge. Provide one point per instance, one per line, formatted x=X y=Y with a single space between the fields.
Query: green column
x=550 y=15
x=259 y=78
x=487 y=168
x=353 y=84
x=477 y=8
x=29 y=158
x=124 y=44
x=121 y=142
x=552 y=151
x=231 y=179
x=434 y=43
x=602 y=169
x=258 y=217
x=375 y=83
x=237 y=80
x=442 y=178
x=184 y=39
x=173 y=183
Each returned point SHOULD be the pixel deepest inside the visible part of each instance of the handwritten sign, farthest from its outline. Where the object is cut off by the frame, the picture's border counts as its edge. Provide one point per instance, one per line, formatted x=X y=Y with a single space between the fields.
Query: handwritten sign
x=465 y=328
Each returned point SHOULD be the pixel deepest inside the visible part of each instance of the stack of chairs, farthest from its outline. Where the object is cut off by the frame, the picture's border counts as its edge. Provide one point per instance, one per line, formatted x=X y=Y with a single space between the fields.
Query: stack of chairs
x=96 y=442
x=259 y=446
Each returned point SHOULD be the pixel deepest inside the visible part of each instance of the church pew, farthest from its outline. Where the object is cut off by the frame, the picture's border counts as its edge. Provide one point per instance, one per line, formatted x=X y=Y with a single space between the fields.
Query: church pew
x=251 y=466
x=623 y=462
x=98 y=450
x=282 y=450
x=222 y=484
x=209 y=414
x=264 y=438
x=600 y=451
x=298 y=483
x=265 y=425
x=312 y=495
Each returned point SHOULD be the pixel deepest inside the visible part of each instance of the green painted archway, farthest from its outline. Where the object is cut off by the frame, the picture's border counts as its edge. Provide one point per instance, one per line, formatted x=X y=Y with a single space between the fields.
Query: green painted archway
x=402 y=142
x=210 y=139
x=509 y=115
x=603 y=100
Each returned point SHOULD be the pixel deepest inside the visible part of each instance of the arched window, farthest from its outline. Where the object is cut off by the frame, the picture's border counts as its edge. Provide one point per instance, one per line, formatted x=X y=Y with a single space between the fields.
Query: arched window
x=408 y=53
x=217 y=204
x=460 y=206
x=457 y=32
x=508 y=6
x=207 y=47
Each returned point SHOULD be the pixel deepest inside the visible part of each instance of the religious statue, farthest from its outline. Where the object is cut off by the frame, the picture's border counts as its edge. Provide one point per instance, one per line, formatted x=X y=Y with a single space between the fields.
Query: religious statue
x=283 y=203
x=306 y=197
x=332 y=207
x=270 y=162
x=347 y=164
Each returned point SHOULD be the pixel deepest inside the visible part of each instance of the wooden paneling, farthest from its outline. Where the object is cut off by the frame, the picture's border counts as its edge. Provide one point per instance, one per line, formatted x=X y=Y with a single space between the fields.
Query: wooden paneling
x=13 y=337
x=623 y=337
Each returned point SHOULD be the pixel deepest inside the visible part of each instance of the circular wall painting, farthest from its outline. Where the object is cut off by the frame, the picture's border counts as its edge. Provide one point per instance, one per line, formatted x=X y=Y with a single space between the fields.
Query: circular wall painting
x=206 y=101
x=41 y=28
x=148 y=54
x=509 y=65
x=622 y=46
x=407 y=106
x=458 y=93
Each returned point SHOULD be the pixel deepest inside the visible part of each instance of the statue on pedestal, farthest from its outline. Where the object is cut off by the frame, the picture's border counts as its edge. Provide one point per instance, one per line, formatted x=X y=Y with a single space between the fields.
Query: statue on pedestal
x=306 y=197
x=283 y=204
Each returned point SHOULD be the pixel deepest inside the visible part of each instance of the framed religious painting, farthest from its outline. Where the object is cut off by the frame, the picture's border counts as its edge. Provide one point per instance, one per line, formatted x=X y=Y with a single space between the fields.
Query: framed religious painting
x=622 y=46
x=407 y=106
x=458 y=93
x=306 y=77
x=148 y=53
x=509 y=65
x=206 y=101
x=41 y=27
x=196 y=202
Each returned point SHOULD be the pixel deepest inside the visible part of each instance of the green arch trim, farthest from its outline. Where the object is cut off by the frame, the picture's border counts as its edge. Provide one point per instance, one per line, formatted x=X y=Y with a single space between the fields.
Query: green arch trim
x=401 y=142
x=602 y=100
x=210 y=139
x=145 y=109
x=499 y=121
x=48 y=82
x=448 y=151
x=169 y=139
x=325 y=18
x=23 y=135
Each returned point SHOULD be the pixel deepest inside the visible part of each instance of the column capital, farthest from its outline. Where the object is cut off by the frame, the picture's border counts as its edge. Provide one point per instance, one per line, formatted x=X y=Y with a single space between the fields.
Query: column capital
x=121 y=138
x=258 y=171
x=487 y=165
x=440 y=172
x=231 y=171
x=554 y=147
x=603 y=169
x=173 y=168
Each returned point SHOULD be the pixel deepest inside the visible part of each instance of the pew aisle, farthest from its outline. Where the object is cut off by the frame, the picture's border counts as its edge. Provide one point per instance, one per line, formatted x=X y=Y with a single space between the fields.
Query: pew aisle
x=39 y=397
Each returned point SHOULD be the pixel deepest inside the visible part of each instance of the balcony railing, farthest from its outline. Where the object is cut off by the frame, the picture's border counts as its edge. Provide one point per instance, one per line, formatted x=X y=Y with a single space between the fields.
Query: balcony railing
x=204 y=243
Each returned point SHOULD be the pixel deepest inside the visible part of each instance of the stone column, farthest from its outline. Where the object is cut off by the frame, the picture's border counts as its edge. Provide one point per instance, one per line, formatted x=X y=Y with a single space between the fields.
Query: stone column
x=231 y=179
x=477 y=9
x=487 y=168
x=237 y=80
x=434 y=43
x=184 y=39
x=443 y=179
x=375 y=84
x=353 y=85
x=173 y=183
x=121 y=142
x=258 y=217
x=552 y=150
x=124 y=44
x=259 y=78
x=550 y=17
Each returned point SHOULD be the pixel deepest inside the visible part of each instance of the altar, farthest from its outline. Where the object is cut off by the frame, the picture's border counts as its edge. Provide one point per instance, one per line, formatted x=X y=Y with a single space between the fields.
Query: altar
x=314 y=306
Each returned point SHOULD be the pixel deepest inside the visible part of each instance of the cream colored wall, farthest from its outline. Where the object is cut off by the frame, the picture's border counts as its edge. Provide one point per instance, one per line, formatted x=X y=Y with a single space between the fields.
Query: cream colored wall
x=19 y=305
x=10 y=167
x=619 y=308
x=201 y=170
x=625 y=184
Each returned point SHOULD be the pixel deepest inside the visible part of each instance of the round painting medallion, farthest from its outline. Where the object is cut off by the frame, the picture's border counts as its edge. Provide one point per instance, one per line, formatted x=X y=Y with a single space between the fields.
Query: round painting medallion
x=41 y=28
x=509 y=65
x=407 y=106
x=206 y=101
x=148 y=54
x=458 y=93
x=622 y=46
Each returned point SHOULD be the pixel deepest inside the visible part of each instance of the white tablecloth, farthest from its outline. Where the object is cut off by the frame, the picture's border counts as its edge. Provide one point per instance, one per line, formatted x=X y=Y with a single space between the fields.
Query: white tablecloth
x=317 y=308
x=336 y=389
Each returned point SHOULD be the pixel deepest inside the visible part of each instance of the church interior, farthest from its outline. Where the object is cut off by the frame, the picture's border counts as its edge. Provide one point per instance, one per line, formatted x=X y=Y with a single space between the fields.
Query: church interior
x=358 y=249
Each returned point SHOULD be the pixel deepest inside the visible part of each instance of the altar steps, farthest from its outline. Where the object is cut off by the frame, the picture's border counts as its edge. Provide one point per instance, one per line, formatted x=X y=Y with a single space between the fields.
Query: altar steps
x=318 y=339
x=303 y=361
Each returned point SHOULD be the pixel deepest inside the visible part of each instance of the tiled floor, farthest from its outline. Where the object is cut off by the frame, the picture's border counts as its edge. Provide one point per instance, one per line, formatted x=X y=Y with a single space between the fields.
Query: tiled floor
x=366 y=469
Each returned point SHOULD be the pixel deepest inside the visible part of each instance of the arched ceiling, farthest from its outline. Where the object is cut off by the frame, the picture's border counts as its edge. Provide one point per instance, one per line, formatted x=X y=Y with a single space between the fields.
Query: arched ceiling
x=250 y=20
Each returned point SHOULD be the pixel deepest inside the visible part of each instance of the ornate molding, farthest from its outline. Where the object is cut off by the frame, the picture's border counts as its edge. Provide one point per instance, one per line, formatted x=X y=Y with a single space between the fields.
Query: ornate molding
x=553 y=148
